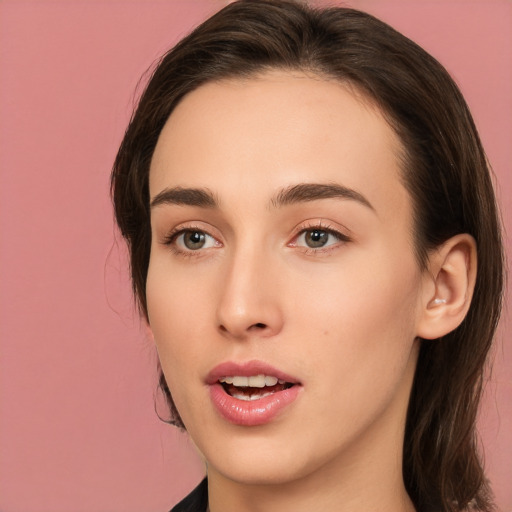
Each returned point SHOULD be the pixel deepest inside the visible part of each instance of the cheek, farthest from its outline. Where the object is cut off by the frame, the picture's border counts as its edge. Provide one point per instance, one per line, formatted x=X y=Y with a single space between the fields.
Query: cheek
x=173 y=309
x=360 y=292
x=364 y=319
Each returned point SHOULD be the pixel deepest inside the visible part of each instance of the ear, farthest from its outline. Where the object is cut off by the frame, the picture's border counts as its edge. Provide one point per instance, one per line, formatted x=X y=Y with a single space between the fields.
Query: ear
x=448 y=288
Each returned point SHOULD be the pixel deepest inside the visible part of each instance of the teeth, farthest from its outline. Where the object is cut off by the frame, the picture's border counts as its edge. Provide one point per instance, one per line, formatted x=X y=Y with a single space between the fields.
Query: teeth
x=248 y=398
x=241 y=382
x=257 y=382
x=254 y=381
x=271 y=381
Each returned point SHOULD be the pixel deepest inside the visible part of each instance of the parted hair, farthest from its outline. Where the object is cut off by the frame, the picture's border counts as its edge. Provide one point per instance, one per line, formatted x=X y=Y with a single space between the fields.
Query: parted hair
x=443 y=167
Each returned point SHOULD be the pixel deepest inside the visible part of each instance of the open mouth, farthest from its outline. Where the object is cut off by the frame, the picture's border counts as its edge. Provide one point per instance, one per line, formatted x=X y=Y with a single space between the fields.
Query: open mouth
x=254 y=387
x=251 y=393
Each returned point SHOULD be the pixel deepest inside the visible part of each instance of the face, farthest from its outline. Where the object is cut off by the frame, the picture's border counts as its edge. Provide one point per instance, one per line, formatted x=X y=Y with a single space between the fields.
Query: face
x=283 y=291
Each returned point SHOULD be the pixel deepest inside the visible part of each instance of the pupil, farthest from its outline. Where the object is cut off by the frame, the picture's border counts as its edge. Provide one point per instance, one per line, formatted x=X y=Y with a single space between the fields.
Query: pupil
x=316 y=238
x=194 y=239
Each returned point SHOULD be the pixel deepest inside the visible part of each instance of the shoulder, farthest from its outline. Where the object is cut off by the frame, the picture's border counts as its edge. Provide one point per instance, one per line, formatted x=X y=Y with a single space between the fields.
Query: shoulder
x=196 y=501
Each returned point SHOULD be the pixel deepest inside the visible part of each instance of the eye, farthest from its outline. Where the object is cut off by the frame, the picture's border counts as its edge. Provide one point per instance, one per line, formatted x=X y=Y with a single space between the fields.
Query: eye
x=191 y=240
x=316 y=238
x=319 y=237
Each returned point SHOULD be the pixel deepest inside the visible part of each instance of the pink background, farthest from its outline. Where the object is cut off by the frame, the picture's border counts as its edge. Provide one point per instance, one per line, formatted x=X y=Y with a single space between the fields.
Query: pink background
x=78 y=431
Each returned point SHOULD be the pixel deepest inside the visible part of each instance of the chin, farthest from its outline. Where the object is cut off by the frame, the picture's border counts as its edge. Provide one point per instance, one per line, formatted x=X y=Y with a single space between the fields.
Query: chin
x=261 y=473
x=261 y=459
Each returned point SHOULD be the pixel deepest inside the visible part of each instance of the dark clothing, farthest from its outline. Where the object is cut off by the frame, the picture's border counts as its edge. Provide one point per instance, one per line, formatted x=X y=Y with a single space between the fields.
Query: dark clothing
x=196 y=501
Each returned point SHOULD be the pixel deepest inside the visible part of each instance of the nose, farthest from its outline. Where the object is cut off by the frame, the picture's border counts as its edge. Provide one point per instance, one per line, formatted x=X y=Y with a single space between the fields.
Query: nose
x=250 y=297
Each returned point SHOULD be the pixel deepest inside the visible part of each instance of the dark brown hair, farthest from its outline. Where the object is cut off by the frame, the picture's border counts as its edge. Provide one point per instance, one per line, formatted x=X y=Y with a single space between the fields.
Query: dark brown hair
x=443 y=167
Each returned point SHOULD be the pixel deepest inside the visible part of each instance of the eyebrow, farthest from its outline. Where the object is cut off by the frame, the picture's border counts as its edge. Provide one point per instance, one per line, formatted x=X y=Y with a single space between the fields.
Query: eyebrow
x=202 y=198
x=299 y=193
x=304 y=192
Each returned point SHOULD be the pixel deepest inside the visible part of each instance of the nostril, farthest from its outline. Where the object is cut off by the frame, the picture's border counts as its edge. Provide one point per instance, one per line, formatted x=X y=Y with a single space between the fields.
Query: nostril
x=259 y=325
x=254 y=327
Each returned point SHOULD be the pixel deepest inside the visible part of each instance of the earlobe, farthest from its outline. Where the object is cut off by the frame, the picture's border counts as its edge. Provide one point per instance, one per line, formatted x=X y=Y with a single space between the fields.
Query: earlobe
x=451 y=278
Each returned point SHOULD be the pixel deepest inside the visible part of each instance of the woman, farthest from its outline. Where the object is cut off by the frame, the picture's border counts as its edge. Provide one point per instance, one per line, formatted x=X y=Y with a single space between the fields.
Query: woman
x=315 y=245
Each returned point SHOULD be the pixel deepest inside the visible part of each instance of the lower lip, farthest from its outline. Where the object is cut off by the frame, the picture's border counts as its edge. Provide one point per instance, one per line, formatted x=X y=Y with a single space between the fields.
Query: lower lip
x=254 y=412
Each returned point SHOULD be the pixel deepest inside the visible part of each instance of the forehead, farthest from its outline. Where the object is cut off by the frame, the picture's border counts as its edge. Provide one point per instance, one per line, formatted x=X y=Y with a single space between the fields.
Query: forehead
x=277 y=129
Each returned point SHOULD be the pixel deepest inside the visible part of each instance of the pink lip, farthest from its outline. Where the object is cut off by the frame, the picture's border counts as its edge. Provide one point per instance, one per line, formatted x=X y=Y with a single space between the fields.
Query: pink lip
x=255 y=412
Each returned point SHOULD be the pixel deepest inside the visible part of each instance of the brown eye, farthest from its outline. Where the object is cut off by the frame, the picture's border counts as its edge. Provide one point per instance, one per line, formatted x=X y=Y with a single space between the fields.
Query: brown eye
x=190 y=240
x=319 y=238
x=316 y=238
x=194 y=240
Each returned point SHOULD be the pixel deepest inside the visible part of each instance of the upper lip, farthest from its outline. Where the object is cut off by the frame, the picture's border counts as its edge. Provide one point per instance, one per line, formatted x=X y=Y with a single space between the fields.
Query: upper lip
x=247 y=369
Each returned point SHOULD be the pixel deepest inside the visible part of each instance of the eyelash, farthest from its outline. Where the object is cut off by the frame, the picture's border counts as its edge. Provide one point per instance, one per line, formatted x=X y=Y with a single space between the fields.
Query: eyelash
x=170 y=239
x=319 y=226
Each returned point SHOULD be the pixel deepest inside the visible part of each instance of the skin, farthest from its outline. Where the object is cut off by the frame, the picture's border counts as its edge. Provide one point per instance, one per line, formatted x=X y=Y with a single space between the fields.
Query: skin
x=343 y=318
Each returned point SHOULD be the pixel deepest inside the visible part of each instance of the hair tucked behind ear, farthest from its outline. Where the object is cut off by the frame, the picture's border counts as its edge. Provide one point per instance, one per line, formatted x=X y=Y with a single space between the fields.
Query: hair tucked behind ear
x=443 y=167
